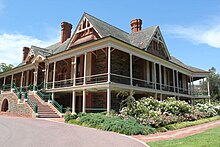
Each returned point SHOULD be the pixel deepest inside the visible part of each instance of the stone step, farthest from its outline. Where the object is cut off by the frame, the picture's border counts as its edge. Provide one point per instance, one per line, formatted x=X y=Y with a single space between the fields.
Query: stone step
x=48 y=116
x=44 y=111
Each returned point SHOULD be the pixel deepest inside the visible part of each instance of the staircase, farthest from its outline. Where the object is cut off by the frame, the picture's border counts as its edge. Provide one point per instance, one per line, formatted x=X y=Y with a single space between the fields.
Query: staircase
x=44 y=111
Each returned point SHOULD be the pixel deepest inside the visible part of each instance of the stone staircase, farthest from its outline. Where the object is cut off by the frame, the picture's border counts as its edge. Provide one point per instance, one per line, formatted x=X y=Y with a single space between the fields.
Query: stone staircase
x=44 y=110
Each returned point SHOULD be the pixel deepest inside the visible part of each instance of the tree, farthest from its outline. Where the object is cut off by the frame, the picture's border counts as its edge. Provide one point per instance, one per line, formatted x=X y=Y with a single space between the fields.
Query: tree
x=5 y=67
x=214 y=83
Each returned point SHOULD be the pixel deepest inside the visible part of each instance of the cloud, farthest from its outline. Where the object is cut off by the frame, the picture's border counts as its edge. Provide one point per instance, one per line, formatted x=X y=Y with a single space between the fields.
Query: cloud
x=11 y=46
x=200 y=34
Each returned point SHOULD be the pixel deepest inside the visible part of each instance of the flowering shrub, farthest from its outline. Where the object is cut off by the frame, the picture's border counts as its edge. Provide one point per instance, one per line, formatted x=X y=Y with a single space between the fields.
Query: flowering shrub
x=210 y=110
x=149 y=111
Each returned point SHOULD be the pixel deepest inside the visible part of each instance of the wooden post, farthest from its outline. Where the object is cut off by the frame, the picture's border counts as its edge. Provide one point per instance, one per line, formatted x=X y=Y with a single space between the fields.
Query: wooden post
x=74 y=102
x=155 y=76
x=108 y=99
x=174 y=85
x=54 y=74
x=131 y=70
x=109 y=64
x=160 y=77
x=84 y=101
x=84 y=78
x=177 y=81
x=22 y=76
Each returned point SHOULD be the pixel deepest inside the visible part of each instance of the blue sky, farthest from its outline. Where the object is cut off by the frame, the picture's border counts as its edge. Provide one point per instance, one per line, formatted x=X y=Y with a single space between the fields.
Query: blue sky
x=191 y=28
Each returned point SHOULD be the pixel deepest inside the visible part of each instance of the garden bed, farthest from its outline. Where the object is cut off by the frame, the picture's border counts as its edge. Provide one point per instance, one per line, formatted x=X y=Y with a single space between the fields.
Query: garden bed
x=147 y=116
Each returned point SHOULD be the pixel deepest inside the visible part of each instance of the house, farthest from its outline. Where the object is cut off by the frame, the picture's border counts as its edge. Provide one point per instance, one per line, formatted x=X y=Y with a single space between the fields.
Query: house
x=87 y=68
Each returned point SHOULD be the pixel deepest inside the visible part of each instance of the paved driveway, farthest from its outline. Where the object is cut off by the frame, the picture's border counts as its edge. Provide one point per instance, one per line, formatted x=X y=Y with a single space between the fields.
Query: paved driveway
x=25 y=132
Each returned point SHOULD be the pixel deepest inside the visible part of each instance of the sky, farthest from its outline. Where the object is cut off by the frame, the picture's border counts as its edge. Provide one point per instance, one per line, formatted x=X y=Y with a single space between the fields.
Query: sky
x=191 y=28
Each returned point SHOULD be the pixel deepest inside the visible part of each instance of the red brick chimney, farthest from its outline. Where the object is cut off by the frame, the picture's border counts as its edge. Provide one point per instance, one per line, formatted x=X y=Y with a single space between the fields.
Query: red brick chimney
x=25 y=53
x=136 y=25
x=65 y=31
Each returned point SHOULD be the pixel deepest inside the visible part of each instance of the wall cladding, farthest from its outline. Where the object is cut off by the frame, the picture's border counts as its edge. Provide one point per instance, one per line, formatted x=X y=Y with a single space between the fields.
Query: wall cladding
x=13 y=107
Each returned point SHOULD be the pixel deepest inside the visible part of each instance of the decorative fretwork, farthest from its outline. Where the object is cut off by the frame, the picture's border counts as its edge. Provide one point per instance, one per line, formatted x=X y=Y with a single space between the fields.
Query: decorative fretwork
x=85 y=32
x=157 y=46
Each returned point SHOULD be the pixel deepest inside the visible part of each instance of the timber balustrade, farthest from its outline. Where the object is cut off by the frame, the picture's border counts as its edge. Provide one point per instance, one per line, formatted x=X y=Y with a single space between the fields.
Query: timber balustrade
x=102 y=78
x=57 y=106
x=39 y=89
x=31 y=103
x=16 y=91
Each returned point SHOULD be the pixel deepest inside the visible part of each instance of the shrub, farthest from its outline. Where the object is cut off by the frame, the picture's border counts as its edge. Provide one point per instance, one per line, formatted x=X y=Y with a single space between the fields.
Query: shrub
x=69 y=116
x=74 y=121
x=124 y=125
x=210 y=110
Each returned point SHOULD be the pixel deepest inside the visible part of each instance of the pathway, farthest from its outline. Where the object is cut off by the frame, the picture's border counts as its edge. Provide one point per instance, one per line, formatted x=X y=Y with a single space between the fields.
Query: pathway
x=180 y=133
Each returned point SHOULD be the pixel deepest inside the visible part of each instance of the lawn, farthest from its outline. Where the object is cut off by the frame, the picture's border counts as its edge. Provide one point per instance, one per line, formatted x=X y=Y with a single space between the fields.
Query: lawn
x=209 y=138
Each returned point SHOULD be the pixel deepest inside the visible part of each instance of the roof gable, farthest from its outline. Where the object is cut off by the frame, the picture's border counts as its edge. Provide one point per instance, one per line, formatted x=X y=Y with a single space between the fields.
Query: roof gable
x=157 y=46
x=100 y=29
x=142 y=38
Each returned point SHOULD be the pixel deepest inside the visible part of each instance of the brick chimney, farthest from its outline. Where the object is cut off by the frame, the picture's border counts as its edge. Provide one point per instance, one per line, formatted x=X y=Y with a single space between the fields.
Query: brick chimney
x=25 y=53
x=65 y=31
x=136 y=25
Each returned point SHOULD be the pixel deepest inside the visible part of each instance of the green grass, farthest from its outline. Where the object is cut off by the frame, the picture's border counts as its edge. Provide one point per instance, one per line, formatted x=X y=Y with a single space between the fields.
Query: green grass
x=209 y=138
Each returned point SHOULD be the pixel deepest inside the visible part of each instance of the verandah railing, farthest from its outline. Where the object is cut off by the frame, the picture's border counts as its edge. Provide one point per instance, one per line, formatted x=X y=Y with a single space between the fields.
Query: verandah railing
x=6 y=87
x=93 y=79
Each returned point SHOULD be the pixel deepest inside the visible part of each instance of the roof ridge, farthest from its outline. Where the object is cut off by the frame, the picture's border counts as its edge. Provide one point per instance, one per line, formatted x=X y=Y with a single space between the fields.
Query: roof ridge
x=39 y=47
x=144 y=29
x=105 y=22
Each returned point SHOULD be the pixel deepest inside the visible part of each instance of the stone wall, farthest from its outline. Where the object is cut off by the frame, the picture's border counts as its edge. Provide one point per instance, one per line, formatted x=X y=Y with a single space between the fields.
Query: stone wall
x=13 y=107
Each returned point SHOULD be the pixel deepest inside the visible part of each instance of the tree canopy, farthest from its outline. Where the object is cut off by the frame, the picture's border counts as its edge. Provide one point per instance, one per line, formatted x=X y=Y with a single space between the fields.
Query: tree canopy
x=5 y=67
x=214 y=83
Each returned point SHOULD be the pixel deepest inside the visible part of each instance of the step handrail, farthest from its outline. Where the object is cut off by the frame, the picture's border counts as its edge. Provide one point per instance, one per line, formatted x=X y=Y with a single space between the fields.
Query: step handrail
x=16 y=91
x=57 y=106
x=31 y=103
x=40 y=94
x=43 y=96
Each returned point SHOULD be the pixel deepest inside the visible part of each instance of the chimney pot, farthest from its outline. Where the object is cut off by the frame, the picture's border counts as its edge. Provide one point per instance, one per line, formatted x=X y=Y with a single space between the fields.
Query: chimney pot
x=65 y=31
x=136 y=25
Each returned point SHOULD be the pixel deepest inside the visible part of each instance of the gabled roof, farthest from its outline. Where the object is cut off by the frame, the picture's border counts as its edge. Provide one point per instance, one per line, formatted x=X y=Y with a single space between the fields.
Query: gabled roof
x=142 y=38
x=105 y=29
x=57 y=47
x=39 y=51
x=139 y=39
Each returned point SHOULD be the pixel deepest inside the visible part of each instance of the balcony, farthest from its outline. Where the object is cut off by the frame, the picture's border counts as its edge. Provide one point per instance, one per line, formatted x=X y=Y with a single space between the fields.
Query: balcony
x=125 y=80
